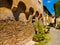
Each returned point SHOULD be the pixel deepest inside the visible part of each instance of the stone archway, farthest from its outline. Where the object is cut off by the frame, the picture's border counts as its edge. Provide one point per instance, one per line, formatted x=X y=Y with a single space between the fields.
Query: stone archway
x=21 y=7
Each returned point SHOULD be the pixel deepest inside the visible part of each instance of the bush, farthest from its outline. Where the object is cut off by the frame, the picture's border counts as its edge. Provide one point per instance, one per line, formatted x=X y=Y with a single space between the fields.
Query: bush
x=41 y=37
x=58 y=25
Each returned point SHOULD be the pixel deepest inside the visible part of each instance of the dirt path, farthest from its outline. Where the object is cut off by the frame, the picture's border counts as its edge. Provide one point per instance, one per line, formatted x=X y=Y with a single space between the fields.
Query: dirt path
x=55 y=37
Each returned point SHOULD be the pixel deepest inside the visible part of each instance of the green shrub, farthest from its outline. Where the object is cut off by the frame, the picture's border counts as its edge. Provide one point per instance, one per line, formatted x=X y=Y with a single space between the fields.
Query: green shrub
x=57 y=8
x=58 y=25
x=41 y=34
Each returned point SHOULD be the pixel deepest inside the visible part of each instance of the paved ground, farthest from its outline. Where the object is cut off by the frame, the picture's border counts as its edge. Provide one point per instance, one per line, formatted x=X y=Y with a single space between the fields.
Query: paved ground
x=55 y=37
x=30 y=43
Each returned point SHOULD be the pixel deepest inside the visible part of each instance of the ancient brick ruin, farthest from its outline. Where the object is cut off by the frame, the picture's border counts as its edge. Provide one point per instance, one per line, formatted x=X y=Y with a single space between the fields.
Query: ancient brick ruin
x=23 y=6
x=16 y=12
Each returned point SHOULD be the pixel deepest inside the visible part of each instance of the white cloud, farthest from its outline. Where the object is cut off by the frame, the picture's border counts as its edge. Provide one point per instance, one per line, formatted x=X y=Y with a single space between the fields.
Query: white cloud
x=48 y=1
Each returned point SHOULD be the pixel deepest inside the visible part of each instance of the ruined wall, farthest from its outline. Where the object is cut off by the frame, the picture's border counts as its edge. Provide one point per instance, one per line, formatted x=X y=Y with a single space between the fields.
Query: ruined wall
x=23 y=6
x=30 y=3
x=17 y=33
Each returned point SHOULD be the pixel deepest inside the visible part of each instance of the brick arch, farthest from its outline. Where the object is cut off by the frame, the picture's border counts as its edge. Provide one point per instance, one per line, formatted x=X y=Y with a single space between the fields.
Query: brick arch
x=6 y=3
x=10 y=2
x=31 y=10
x=21 y=7
x=36 y=14
x=40 y=16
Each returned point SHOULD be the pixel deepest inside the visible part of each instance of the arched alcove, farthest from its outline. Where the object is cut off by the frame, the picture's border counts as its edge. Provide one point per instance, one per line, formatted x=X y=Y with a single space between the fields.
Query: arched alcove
x=37 y=14
x=6 y=3
x=21 y=7
x=31 y=10
x=10 y=2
